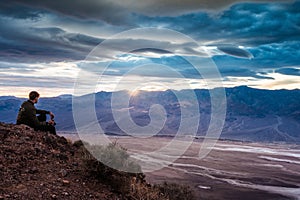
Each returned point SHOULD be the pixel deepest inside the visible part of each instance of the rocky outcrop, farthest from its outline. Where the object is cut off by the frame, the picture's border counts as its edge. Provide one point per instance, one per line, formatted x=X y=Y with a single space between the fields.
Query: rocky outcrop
x=39 y=165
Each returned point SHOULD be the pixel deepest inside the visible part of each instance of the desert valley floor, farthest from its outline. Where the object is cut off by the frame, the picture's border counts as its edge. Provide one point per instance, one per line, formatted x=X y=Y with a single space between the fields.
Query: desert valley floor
x=232 y=170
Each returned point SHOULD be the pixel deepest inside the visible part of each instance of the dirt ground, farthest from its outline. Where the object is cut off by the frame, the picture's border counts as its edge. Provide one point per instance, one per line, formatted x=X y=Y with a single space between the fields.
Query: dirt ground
x=37 y=165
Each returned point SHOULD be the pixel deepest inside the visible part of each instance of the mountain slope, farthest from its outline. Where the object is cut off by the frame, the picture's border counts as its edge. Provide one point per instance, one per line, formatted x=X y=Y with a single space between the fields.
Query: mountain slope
x=252 y=114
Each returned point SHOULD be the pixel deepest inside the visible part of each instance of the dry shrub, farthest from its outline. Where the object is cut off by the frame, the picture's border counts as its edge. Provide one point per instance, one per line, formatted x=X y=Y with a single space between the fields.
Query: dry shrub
x=143 y=191
x=129 y=185
x=174 y=191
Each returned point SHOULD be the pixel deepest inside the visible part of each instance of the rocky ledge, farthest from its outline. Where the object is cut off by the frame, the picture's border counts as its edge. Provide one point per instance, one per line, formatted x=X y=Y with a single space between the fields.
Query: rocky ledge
x=39 y=165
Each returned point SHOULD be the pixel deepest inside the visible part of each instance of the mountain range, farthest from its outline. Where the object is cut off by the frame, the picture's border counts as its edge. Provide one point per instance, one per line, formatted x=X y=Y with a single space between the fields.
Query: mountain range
x=251 y=114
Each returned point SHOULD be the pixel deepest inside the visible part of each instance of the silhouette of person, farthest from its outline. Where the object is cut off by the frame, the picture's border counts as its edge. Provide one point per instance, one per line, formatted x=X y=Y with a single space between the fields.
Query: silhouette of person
x=28 y=115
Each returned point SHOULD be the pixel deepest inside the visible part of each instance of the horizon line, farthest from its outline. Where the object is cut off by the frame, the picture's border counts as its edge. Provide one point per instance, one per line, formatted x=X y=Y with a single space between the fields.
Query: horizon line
x=131 y=92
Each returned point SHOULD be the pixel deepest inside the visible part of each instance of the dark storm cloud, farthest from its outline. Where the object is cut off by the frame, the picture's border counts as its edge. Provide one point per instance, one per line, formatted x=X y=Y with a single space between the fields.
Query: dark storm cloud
x=276 y=55
x=108 y=11
x=151 y=50
x=265 y=58
x=255 y=24
x=235 y=51
x=175 y=8
x=242 y=24
x=289 y=71
x=20 y=43
x=271 y=32
x=15 y=10
x=40 y=31
x=119 y=12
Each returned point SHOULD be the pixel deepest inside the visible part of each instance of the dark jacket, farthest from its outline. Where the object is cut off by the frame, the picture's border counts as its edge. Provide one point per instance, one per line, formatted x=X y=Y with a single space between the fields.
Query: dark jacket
x=27 y=115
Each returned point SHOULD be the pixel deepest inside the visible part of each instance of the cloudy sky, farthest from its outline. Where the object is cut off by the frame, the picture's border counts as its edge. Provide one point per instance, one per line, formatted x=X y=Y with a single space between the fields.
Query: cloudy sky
x=54 y=46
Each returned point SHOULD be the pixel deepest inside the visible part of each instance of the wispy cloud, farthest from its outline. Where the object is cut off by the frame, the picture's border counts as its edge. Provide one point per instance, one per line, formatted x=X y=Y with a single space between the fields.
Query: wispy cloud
x=44 y=44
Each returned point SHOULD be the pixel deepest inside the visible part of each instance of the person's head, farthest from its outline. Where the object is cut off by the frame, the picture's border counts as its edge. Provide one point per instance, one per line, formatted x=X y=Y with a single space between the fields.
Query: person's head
x=34 y=96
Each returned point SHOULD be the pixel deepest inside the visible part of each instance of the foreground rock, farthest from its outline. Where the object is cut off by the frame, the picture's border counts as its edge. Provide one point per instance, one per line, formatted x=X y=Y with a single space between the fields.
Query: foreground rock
x=38 y=165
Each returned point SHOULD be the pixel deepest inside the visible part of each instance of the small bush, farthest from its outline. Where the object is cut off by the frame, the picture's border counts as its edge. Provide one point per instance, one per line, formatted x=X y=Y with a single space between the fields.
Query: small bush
x=112 y=155
x=130 y=185
x=79 y=143
x=144 y=191
x=175 y=191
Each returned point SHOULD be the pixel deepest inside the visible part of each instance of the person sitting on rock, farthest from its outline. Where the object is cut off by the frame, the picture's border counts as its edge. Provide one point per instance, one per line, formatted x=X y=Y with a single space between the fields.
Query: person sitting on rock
x=27 y=115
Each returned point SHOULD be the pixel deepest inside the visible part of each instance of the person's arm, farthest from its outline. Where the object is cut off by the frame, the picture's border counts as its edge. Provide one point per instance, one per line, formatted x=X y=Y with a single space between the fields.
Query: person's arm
x=42 y=111
x=32 y=117
x=45 y=112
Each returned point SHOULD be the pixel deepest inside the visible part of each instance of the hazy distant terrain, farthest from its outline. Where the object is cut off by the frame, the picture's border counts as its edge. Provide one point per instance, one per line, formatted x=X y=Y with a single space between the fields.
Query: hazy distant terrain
x=252 y=114
x=232 y=170
x=236 y=170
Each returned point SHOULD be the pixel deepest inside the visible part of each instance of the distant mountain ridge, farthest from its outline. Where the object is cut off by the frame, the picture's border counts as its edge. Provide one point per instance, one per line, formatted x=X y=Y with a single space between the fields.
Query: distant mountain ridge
x=252 y=114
